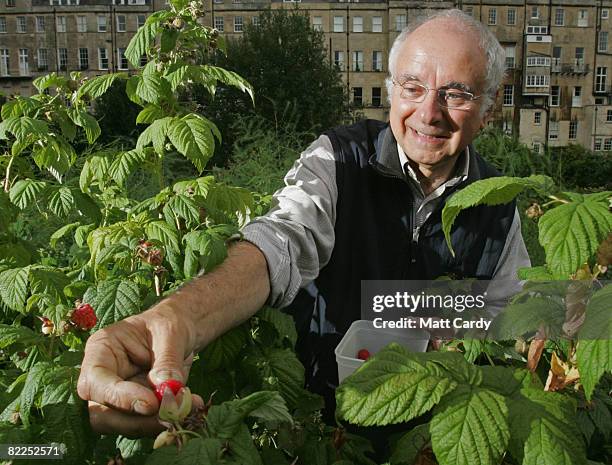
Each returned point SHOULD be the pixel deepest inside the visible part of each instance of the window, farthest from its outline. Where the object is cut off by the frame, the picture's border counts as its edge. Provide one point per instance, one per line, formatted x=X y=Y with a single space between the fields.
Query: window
x=62 y=58
x=101 y=23
x=317 y=23
x=61 y=23
x=492 y=16
x=357 y=23
x=377 y=24
x=4 y=62
x=510 y=54
x=538 y=61
x=553 y=130
x=238 y=23
x=609 y=116
x=357 y=96
x=121 y=59
x=219 y=24
x=508 y=95
x=537 y=80
x=577 y=97
x=140 y=20
x=83 y=58
x=376 y=96
x=102 y=58
x=507 y=126
x=24 y=67
x=555 y=96
x=10 y=3
x=469 y=10
x=40 y=24
x=339 y=59
x=377 y=59
x=607 y=144
x=535 y=12
x=2 y=25
x=559 y=16
x=597 y=144
x=338 y=24
x=82 y=23
x=537 y=147
x=357 y=60
x=21 y=24
x=601 y=75
x=537 y=118
x=400 y=22
x=583 y=18
x=42 y=57
x=255 y=21
x=605 y=13
x=539 y=30
x=579 y=55
x=120 y=23
x=602 y=43
x=511 y=17
x=573 y=130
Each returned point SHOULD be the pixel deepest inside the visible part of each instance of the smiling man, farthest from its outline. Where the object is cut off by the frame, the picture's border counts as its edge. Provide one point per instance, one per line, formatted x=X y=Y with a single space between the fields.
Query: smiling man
x=362 y=202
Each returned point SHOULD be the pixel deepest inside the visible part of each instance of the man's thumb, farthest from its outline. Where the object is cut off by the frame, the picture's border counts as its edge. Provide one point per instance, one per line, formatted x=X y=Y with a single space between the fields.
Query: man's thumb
x=168 y=361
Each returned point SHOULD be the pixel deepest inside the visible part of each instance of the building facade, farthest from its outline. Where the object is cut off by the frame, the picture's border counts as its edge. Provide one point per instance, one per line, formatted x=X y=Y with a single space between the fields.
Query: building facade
x=556 y=90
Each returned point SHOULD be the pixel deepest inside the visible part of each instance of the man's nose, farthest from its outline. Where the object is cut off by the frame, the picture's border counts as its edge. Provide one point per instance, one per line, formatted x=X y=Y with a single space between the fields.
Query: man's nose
x=430 y=110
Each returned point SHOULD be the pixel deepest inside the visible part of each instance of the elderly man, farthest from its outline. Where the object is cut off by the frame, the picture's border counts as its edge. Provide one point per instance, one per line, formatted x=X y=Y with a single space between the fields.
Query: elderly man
x=362 y=202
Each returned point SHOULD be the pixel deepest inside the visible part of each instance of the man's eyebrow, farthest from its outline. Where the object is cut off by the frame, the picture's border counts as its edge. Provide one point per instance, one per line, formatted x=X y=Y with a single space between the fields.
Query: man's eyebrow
x=409 y=77
x=458 y=85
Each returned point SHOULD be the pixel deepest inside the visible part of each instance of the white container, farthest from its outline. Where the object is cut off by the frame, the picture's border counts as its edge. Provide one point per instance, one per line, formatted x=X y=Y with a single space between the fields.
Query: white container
x=363 y=335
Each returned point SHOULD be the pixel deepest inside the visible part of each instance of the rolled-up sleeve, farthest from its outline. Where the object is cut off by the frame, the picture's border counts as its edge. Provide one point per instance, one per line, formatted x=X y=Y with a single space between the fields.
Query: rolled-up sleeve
x=297 y=235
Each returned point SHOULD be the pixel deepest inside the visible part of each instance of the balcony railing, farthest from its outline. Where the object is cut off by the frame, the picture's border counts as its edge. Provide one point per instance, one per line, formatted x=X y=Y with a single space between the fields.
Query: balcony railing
x=575 y=67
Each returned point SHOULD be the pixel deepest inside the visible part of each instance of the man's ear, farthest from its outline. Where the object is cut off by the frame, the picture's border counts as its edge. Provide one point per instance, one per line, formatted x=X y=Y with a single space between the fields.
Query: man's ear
x=489 y=113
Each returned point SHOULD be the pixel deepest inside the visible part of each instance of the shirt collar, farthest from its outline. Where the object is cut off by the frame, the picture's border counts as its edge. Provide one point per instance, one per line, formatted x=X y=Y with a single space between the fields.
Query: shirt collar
x=460 y=173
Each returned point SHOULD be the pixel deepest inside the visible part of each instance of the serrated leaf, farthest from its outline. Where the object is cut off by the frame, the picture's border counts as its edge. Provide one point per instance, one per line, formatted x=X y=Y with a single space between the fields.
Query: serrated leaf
x=186 y=208
x=81 y=118
x=24 y=192
x=594 y=350
x=163 y=232
x=14 y=287
x=151 y=87
x=10 y=335
x=393 y=387
x=410 y=445
x=21 y=106
x=192 y=136
x=60 y=200
x=48 y=280
x=156 y=133
x=98 y=86
x=22 y=127
x=508 y=381
x=149 y=114
x=50 y=80
x=518 y=319
x=470 y=427
x=242 y=449
x=205 y=249
x=197 y=451
x=113 y=300
x=223 y=202
x=266 y=405
x=282 y=322
x=536 y=273
x=229 y=78
x=570 y=233
x=124 y=164
x=144 y=37
x=30 y=390
x=61 y=232
x=223 y=351
x=491 y=191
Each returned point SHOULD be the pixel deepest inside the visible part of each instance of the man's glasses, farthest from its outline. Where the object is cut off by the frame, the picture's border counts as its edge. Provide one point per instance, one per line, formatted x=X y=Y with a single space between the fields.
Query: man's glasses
x=449 y=98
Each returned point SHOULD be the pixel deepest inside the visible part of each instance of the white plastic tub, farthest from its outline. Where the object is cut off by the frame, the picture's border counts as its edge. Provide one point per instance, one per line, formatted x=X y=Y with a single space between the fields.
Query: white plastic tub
x=363 y=335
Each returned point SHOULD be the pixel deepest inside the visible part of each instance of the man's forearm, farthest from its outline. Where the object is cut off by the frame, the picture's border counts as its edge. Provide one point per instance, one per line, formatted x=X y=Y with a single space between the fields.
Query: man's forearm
x=216 y=302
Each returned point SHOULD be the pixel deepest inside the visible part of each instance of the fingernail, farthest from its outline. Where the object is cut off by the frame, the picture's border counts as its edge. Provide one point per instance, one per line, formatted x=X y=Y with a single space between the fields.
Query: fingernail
x=141 y=407
x=157 y=376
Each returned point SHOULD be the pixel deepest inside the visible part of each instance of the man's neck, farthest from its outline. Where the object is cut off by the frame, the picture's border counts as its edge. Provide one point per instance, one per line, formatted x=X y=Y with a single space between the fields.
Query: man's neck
x=432 y=177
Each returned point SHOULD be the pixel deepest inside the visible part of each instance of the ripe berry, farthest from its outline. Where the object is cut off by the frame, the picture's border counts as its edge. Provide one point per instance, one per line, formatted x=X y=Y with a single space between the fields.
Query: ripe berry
x=363 y=354
x=173 y=384
x=84 y=317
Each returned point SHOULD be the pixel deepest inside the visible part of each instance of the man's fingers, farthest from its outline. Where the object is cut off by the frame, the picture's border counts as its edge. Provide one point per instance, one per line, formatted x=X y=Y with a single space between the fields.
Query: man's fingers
x=168 y=359
x=106 y=420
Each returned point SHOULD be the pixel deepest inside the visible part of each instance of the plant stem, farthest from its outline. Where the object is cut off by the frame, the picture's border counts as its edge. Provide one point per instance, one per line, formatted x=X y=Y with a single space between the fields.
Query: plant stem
x=8 y=173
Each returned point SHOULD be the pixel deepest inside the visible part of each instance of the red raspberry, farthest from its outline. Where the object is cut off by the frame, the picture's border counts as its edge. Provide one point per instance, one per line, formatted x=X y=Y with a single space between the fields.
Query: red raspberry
x=363 y=354
x=84 y=317
x=173 y=384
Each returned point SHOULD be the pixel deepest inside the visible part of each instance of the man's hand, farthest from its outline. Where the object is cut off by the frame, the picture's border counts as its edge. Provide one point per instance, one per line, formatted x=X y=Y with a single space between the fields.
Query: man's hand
x=116 y=364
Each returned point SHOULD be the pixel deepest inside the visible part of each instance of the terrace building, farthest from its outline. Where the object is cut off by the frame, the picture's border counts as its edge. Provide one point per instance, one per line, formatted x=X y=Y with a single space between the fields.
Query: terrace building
x=556 y=91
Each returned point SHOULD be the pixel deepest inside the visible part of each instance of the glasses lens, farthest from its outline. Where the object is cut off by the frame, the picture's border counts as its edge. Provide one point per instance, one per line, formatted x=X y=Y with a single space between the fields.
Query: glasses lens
x=456 y=99
x=412 y=91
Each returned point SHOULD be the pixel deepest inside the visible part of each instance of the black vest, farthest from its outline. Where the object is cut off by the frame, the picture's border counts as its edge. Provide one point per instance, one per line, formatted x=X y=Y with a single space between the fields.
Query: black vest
x=374 y=239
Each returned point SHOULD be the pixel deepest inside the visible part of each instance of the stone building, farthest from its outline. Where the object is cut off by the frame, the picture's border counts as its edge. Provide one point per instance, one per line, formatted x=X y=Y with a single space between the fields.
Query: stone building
x=558 y=54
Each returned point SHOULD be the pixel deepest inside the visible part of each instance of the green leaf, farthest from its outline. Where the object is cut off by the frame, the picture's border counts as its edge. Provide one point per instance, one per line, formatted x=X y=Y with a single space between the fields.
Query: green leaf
x=208 y=245
x=570 y=233
x=508 y=381
x=197 y=451
x=192 y=136
x=470 y=427
x=22 y=335
x=156 y=133
x=50 y=80
x=544 y=431
x=48 y=280
x=24 y=192
x=124 y=163
x=266 y=405
x=87 y=122
x=223 y=351
x=229 y=78
x=536 y=273
x=23 y=127
x=392 y=387
x=60 y=200
x=185 y=207
x=151 y=87
x=145 y=36
x=14 y=288
x=223 y=421
x=410 y=445
x=242 y=449
x=168 y=40
x=230 y=201
x=594 y=350
x=98 y=86
x=518 y=319
x=61 y=232
x=113 y=300
x=30 y=389
x=94 y=170
x=149 y=114
x=21 y=106
x=282 y=323
x=163 y=232
x=491 y=191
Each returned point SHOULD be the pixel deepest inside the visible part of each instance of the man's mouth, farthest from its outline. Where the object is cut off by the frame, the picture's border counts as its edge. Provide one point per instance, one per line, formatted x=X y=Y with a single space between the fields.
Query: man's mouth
x=428 y=138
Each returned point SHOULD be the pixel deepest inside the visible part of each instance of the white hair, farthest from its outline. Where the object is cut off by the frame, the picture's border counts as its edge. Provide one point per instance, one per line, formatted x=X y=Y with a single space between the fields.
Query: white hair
x=489 y=44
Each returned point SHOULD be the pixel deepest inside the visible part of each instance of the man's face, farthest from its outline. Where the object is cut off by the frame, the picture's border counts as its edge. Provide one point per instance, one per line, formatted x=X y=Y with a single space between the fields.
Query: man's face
x=437 y=55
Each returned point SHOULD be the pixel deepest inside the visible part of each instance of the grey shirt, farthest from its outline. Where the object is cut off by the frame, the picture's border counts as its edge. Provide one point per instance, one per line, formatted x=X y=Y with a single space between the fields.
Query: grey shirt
x=297 y=235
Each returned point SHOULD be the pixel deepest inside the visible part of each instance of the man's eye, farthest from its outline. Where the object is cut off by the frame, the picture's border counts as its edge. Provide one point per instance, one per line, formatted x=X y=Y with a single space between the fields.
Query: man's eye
x=457 y=95
x=412 y=89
